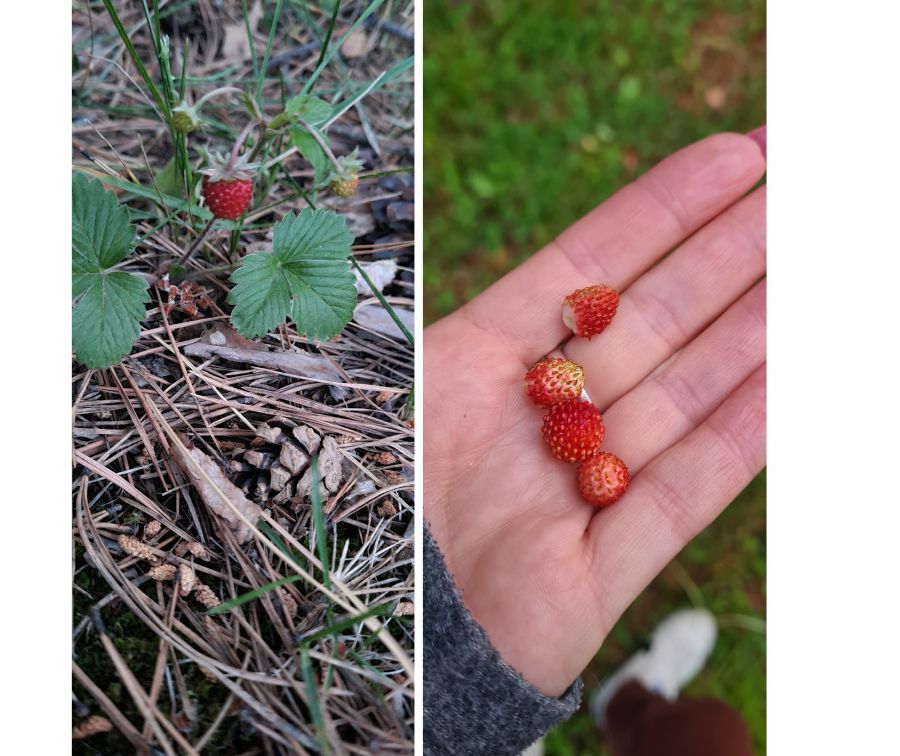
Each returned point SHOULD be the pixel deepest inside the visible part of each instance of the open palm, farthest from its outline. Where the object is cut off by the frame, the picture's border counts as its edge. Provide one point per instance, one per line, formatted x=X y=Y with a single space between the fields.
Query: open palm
x=679 y=377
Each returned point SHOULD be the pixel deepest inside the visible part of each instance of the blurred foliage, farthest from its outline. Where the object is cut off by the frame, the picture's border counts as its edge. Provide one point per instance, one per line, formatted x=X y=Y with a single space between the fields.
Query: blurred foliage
x=534 y=114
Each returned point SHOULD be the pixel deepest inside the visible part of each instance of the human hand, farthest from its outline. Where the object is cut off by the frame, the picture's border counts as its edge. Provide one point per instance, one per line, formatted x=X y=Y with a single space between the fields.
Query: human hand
x=679 y=377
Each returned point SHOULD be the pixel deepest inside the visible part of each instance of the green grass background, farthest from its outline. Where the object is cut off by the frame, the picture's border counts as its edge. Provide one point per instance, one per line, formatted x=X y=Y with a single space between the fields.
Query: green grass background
x=536 y=112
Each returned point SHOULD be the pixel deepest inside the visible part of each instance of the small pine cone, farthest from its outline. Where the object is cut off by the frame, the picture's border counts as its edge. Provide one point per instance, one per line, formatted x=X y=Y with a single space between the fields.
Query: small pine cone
x=151 y=529
x=387 y=508
x=181 y=549
x=385 y=458
x=93 y=725
x=199 y=550
x=133 y=547
x=204 y=594
x=393 y=476
x=163 y=572
x=287 y=601
x=187 y=579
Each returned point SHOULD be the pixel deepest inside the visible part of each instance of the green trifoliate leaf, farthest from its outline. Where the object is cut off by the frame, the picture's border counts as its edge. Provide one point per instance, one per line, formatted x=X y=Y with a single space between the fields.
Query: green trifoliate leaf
x=110 y=304
x=314 y=110
x=312 y=151
x=306 y=275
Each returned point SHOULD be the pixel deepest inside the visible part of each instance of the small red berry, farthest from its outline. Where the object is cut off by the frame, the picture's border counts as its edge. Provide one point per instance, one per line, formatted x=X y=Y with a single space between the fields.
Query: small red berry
x=227 y=199
x=554 y=380
x=228 y=186
x=602 y=479
x=588 y=311
x=573 y=430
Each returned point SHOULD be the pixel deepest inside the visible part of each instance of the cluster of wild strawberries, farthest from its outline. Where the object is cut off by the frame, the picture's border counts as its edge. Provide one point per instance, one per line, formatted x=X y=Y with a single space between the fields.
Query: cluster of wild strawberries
x=573 y=429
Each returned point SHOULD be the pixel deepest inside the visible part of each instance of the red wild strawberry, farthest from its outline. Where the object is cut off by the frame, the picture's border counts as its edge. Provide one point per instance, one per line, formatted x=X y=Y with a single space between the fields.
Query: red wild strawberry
x=588 y=311
x=228 y=190
x=554 y=380
x=573 y=430
x=602 y=479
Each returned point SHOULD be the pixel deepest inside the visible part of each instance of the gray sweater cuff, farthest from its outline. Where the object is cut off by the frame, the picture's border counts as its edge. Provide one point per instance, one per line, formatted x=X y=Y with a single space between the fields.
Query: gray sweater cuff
x=475 y=703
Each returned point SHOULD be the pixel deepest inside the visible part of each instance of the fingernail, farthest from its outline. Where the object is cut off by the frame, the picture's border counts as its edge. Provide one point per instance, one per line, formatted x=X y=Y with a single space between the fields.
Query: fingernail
x=759 y=136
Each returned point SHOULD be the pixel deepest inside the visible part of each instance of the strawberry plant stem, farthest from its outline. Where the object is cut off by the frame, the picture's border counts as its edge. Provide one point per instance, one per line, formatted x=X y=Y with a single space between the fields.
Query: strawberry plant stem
x=237 y=145
x=322 y=143
x=221 y=90
x=203 y=234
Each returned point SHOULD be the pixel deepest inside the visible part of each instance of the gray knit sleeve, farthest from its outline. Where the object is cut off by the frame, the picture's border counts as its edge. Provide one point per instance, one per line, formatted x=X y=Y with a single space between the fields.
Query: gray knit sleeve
x=474 y=702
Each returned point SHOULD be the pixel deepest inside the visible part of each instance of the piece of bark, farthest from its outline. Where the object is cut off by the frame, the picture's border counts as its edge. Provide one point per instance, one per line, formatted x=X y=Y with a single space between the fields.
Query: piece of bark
x=259 y=460
x=308 y=438
x=376 y=318
x=293 y=458
x=381 y=273
x=305 y=486
x=93 y=725
x=237 y=466
x=330 y=461
x=301 y=364
x=224 y=335
x=284 y=495
x=271 y=433
x=215 y=489
x=278 y=477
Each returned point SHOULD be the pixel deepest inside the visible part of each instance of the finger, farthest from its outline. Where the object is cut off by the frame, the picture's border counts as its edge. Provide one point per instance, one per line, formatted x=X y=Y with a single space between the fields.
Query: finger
x=618 y=240
x=667 y=306
x=688 y=388
x=677 y=495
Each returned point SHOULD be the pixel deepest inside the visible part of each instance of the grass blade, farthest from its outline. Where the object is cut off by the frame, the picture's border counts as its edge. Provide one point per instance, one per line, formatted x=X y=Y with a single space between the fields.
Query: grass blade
x=379 y=81
x=319 y=521
x=244 y=598
x=344 y=624
x=265 y=62
x=327 y=40
x=312 y=696
x=138 y=63
x=337 y=46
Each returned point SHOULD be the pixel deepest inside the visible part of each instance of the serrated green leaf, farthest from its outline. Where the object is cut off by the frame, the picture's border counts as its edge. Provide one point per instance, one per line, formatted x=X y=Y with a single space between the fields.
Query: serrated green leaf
x=107 y=317
x=306 y=276
x=313 y=110
x=262 y=297
x=312 y=151
x=106 y=321
x=101 y=232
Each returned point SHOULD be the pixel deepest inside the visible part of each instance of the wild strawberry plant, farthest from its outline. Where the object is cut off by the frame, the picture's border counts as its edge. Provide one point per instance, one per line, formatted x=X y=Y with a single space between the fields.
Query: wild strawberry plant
x=305 y=277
